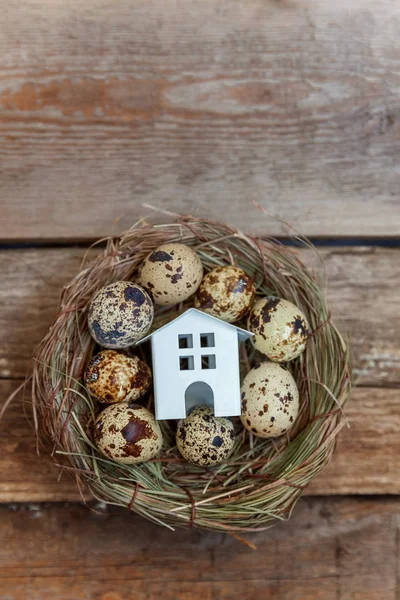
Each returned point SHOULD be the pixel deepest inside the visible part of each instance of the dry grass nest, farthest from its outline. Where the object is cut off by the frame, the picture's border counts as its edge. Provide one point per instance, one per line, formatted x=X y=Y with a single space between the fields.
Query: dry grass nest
x=262 y=480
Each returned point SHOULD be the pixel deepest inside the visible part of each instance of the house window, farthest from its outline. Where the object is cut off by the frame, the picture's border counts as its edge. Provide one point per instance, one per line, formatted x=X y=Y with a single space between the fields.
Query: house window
x=208 y=361
x=185 y=340
x=186 y=363
x=207 y=340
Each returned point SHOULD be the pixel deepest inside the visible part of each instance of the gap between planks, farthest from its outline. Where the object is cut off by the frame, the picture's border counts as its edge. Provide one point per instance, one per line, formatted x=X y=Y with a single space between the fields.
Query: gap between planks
x=290 y=240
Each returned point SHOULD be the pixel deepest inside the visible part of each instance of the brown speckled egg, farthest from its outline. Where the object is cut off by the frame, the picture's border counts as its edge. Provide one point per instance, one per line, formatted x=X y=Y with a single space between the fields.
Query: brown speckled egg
x=227 y=293
x=280 y=328
x=127 y=433
x=203 y=439
x=120 y=315
x=112 y=376
x=171 y=273
x=270 y=400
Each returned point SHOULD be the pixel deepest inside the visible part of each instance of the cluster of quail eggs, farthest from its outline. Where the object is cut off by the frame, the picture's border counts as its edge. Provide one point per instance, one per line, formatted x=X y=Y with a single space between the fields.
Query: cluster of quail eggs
x=121 y=314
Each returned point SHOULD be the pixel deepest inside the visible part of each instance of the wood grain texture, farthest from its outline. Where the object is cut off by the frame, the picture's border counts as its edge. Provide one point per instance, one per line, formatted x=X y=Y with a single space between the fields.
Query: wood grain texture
x=330 y=550
x=366 y=460
x=363 y=290
x=367 y=454
x=199 y=107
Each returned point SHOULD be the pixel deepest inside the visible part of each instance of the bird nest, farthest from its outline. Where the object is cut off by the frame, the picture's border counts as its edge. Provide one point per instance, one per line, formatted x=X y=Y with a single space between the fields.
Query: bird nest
x=262 y=479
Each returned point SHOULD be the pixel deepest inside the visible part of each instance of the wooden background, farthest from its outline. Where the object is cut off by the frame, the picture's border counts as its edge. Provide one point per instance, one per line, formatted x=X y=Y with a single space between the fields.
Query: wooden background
x=203 y=106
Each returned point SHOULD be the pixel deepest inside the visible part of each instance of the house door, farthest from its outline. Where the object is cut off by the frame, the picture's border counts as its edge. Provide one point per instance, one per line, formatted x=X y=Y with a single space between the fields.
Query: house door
x=198 y=393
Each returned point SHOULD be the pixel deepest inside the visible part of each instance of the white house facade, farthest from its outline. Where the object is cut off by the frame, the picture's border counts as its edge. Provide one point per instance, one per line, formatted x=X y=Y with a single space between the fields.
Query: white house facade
x=196 y=361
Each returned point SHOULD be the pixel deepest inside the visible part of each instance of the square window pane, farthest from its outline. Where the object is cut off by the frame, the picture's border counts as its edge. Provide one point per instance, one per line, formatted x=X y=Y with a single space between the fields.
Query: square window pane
x=207 y=340
x=185 y=340
x=186 y=363
x=208 y=362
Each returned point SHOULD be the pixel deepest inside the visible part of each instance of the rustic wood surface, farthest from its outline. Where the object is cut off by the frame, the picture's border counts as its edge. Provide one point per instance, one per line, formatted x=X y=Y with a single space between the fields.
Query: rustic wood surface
x=336 y=549
x=199 y=107
x=208 y=108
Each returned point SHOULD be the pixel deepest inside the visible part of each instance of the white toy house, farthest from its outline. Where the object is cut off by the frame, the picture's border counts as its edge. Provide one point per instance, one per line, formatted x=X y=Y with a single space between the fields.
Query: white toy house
x=196 y=361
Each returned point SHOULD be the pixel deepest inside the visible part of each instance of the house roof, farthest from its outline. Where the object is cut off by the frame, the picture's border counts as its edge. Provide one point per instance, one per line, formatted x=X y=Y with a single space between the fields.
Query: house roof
x=243 y=334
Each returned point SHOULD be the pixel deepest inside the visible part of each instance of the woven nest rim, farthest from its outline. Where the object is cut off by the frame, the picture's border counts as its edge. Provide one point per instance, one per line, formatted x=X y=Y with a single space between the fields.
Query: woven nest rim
x=261 y=482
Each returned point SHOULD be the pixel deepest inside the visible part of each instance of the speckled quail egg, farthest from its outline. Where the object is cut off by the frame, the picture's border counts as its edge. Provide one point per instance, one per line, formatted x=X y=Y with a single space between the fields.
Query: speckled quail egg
x=270 y=400
x=204 y=439
x=227 y=293
x=112 y=376
x=280 y=328
x=120 y=314
x=171 y=273
x=127 y=433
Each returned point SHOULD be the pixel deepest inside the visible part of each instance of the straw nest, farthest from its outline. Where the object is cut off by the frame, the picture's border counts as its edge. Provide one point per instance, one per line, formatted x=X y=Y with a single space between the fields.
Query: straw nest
x=262 y=480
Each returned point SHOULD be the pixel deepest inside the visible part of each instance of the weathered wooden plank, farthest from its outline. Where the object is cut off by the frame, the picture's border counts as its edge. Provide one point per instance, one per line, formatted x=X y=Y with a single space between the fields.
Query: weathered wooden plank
x=25 y=476
x=363 y=286
x=330 y=550
x=201 y=107
x=366 y=460
x=368 y=450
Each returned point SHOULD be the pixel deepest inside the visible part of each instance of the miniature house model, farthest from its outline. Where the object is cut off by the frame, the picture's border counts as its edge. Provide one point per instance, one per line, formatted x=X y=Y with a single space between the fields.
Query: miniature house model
x=196 y=361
